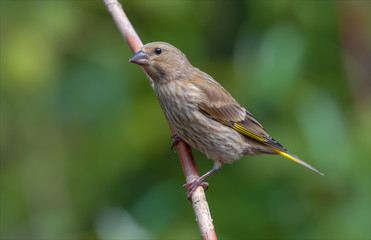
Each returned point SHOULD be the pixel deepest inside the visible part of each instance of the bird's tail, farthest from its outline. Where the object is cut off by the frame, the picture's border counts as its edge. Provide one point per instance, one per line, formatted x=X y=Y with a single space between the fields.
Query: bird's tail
x=294 y=158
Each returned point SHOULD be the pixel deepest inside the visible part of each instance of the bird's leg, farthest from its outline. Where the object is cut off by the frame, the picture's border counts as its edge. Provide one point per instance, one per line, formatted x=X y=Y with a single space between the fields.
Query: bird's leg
x=176 y=140
x=192 y=186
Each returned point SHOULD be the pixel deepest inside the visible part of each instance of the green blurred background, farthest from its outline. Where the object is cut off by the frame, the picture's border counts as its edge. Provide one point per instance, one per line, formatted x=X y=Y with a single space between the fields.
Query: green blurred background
x=85 y=148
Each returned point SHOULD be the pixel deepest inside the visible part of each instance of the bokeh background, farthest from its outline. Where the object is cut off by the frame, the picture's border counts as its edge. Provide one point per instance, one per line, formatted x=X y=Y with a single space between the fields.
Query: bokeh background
x=85 y=148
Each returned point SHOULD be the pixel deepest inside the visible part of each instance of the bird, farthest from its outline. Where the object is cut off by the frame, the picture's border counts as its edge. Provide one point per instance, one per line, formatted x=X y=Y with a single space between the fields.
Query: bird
x=202 y=113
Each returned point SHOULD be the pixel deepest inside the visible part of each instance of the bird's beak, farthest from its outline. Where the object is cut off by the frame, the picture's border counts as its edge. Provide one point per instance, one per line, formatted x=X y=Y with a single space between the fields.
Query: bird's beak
x=140 y=58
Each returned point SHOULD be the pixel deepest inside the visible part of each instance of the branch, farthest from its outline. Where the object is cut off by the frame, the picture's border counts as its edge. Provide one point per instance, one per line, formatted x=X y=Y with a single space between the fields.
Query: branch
x=199 y=203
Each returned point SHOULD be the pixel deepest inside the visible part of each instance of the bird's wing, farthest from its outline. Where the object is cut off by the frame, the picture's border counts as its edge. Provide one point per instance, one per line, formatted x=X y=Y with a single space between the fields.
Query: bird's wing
x=248 y=126
x=220 y=106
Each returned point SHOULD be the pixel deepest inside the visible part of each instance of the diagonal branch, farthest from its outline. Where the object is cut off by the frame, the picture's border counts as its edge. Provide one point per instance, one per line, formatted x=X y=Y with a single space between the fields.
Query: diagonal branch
x=199 y=203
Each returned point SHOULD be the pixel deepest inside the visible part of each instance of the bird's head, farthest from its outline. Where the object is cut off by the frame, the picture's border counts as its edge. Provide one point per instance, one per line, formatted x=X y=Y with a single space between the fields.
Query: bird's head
x=162 y=62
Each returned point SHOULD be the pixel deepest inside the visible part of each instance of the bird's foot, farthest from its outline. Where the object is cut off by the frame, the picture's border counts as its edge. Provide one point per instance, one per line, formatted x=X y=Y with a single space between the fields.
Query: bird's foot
x=176 y=140
x=192 y=186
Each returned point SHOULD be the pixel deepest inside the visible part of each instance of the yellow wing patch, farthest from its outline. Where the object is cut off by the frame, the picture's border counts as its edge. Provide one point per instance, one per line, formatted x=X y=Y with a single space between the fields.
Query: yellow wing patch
x=248 y=133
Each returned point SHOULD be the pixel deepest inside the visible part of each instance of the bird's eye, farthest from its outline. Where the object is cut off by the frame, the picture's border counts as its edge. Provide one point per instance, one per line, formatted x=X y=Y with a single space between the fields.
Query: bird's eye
x=158 y=51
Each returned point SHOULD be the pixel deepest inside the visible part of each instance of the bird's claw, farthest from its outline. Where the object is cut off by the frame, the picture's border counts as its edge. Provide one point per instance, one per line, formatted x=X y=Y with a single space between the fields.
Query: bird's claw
x=176 y=140
x=192 y=186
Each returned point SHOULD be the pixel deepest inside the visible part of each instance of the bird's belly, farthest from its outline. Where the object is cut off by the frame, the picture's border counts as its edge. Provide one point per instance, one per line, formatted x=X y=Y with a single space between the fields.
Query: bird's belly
x=216 y=140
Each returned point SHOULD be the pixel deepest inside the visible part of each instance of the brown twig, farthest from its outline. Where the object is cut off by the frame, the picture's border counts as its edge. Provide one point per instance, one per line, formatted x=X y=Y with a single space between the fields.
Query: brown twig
x=199 y=203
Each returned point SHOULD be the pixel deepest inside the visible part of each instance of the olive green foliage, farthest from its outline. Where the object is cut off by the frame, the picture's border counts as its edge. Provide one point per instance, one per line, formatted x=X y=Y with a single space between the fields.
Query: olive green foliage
x=85 y=148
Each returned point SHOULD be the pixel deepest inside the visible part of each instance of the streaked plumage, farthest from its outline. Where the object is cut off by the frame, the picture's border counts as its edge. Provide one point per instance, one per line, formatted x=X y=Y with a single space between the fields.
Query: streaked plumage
x=202 y=112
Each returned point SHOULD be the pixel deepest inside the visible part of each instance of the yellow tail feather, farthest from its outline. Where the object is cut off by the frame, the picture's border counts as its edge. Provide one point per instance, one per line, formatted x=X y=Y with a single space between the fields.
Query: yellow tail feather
x=295 y=159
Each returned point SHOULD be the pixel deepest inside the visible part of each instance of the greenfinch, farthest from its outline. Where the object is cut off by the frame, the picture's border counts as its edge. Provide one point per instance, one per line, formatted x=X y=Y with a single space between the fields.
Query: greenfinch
x=202 y=113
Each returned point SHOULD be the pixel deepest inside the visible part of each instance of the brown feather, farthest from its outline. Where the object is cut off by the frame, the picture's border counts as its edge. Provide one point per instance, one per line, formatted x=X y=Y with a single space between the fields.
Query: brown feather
x=217 y=102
